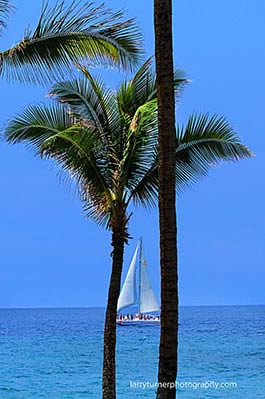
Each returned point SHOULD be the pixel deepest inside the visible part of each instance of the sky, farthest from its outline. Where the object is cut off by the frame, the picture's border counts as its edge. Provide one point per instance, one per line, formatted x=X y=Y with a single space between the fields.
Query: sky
x=51 y=256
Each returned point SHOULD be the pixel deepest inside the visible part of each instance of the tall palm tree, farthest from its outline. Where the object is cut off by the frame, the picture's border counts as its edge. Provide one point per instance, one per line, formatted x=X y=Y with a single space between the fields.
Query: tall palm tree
x=64 y=35
x=168 y=350
x=108 y=141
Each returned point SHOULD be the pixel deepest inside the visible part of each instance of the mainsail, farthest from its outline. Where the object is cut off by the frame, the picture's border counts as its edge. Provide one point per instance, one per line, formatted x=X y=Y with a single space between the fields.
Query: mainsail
x=128 y=296
x=147 y=300
x=128 y=293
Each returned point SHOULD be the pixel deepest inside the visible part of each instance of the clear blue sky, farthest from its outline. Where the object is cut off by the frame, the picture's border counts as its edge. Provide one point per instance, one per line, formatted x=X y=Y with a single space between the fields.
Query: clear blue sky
x=51 y=256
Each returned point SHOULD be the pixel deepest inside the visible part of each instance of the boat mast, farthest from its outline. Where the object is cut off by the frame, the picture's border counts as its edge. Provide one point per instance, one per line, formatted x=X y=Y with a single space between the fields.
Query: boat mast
x=140 y=268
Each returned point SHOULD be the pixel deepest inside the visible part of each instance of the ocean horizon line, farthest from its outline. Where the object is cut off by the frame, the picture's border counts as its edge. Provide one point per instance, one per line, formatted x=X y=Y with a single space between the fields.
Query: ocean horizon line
x=103 y=307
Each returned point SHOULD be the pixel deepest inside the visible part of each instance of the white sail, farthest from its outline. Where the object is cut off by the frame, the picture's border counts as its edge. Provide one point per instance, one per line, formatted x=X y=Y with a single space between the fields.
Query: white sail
x=128 y=293
x=147 y=300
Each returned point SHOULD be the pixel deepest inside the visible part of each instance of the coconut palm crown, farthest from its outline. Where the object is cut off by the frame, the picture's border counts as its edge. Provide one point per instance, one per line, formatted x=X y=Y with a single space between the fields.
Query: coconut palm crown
x=63 y=36
x=108 y=140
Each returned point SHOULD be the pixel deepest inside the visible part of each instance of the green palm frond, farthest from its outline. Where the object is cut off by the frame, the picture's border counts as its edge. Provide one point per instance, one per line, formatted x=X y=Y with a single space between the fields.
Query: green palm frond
x=142 y=88
x=140 y=144
x=95 y=106
x=203 y=143
x=36 y=124
x=180 y=81
x=52 y=133
x=138 y=90
x=83 y=100
x=137 y=105
x=102 y=100
x=132 y=142
x=66 y=35
x=90 y=100
x=81 y=153
x=145 y=191
x=5 y=9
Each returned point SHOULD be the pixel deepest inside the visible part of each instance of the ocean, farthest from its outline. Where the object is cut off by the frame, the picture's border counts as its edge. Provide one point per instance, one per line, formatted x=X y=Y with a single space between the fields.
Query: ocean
x=57 y=354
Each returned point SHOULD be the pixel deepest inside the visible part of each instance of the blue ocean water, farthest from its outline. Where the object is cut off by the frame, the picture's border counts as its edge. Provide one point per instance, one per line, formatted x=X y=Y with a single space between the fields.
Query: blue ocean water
x=57 y=353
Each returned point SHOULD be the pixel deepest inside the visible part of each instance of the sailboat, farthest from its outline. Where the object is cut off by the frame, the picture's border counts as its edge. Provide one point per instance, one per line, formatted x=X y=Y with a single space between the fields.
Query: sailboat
x=140 y=294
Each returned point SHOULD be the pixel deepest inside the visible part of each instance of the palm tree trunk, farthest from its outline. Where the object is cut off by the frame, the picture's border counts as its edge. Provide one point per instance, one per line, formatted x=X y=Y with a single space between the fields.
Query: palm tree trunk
x=109 y=364
x=167 y=209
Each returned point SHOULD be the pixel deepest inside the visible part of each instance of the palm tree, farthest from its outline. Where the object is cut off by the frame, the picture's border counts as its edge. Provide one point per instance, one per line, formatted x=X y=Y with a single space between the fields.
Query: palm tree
x=108 y=141
x=65 y=35
x=168 y=350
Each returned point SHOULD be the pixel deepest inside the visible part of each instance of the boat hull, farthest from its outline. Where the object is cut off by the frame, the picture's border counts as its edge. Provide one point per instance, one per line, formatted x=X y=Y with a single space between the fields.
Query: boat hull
x=138 y=322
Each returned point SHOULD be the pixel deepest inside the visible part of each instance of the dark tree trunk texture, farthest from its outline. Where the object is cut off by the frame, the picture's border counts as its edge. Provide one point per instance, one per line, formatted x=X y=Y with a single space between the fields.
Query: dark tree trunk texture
x=109 y=364
x=167 y=194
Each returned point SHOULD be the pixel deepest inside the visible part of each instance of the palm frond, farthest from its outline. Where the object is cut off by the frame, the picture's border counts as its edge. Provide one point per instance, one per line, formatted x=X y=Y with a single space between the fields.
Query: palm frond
x=78 y=151
x=138 y=90
x=141 y=144
x=85 y=102
x=66 y=35
x=180 y=81
x=145 y=192
x=36 y=124
x=138 y=105
x=5 y=9
x=142 y=88
x=204 y=142
x=52 y=133
x=90 y=100
x=95 y=106
x=101 y=99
